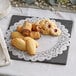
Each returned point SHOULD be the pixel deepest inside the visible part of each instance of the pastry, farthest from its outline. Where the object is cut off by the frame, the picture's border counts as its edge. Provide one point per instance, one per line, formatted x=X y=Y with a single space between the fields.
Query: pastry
x=45 y=28
x=42 y=22
x=45 y=31
x=55 y=31
x=35 y=35
x=29 y=38
x=52 y=23
x=47 y=22
x=46 y=25
x=23 y=39
x=19 y=43
x=26 y=28
x=16 y=35
x=19 y=28
x=36 y=27
x=31 y=47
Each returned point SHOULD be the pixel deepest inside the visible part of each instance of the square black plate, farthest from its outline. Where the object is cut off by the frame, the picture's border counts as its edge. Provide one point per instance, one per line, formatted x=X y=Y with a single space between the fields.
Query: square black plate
x=60 y=59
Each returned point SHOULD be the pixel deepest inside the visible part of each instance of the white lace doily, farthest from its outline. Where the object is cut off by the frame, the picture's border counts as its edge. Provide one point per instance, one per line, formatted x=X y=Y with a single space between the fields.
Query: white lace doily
x=49 y=46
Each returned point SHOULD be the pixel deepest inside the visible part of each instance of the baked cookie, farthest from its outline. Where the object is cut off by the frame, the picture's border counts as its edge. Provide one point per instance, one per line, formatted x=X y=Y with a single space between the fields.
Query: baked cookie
x=47 y=22
x=51 y=23
x=55 y=31
x=46 y=25
x=45 y=31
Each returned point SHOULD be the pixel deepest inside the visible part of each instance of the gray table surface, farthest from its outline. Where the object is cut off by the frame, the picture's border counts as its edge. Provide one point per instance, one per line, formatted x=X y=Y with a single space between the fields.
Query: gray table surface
x=21 y=68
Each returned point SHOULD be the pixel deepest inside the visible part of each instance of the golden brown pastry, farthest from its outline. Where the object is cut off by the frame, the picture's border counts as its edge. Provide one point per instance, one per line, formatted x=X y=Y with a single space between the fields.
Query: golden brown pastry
x=19 y=43
x=43 y=28
x=36 y=27
x=46 y=25
x=23 y=39
x=55 y=31
x=16 y=35
x=52 y=23
x=42 y=22
x=29 y=38
x=31 y=47
x=45 y=31
x=48 y=22
x=26 y=28
x=19 y=28
x=35 y=35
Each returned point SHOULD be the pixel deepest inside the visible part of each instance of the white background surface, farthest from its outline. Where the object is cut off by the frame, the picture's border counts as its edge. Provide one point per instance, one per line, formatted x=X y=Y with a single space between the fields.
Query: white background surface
x=22 y=68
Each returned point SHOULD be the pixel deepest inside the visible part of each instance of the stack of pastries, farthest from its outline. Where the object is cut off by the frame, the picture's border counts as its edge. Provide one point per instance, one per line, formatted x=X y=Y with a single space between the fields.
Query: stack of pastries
x=24 y=38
